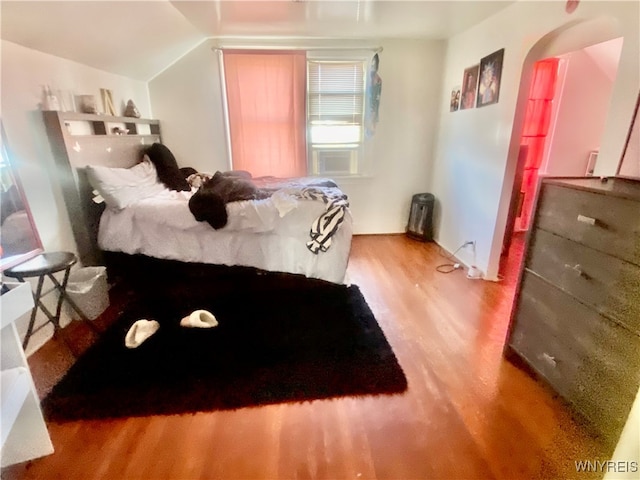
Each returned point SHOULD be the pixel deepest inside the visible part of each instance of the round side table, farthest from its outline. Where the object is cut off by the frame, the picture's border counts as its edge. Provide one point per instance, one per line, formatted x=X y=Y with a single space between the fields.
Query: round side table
x=45 y=265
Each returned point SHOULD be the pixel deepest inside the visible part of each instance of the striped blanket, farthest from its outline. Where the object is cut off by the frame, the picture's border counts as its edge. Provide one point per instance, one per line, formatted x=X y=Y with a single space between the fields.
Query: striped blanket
x=318 y=189
x=214 y=192
x=327 y=224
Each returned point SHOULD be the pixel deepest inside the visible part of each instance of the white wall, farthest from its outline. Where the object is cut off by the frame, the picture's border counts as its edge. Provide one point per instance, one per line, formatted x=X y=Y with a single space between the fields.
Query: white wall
x=188 y=98
x=24 y=72
x=627 y=450
x=400 y=153
x=472 y=177
x=581 y=114
x=630 y=165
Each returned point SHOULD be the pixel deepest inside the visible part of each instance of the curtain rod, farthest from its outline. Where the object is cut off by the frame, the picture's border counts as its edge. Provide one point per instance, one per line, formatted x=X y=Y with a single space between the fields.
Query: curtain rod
x=284 y=47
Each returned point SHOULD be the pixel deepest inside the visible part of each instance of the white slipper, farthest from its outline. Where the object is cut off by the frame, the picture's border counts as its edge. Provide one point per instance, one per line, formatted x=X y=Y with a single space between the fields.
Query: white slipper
x=139 y=332
x=199 y=319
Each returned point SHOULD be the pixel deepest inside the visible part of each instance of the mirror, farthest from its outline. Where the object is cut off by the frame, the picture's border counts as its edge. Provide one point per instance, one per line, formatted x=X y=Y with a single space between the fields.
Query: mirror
x=630 y=162
x=19 y=239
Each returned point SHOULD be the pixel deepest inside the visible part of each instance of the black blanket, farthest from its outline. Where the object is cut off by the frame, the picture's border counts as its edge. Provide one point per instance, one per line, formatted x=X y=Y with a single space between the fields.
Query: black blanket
x=208 y=204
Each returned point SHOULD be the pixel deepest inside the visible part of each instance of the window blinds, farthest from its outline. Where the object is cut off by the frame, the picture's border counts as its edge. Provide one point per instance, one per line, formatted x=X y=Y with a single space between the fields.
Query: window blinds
x=336 y=92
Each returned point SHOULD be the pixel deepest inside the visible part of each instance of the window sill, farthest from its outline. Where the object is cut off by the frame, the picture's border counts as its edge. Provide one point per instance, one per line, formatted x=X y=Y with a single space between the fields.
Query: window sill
x=347 y=178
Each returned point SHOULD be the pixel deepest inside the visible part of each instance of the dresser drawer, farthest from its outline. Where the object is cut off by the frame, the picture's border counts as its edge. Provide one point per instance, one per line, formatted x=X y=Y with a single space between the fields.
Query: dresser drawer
x=606 y=223
x=608 y=284
x=590 y=361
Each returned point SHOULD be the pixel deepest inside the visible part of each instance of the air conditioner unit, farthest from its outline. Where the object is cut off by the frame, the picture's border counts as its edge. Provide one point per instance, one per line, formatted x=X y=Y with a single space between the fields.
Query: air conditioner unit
x=335 y=161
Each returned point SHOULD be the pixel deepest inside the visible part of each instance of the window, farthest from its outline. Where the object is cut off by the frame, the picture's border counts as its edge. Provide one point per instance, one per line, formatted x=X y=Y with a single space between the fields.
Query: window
x=335 y=115
x=273 y=132
x=266 y=111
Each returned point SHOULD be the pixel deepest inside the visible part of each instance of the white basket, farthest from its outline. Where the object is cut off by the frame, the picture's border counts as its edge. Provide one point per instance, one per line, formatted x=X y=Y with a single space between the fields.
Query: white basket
x=88 y=289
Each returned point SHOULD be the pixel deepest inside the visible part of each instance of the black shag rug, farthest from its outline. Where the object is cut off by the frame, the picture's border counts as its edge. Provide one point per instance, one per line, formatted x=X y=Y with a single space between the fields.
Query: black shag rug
x=280 y=338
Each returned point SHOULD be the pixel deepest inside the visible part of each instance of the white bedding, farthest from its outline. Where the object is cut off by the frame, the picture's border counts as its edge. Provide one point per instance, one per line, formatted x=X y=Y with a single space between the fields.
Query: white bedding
x=269 y=234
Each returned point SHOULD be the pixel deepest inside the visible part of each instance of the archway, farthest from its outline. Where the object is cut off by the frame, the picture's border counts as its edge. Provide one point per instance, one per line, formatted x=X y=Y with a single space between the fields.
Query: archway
x=573 y=36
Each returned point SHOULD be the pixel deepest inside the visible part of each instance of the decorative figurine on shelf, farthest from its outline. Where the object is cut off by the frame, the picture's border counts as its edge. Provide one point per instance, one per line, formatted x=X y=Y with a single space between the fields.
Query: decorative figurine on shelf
x=131 y=110
x=107 y=101
x=50 y=101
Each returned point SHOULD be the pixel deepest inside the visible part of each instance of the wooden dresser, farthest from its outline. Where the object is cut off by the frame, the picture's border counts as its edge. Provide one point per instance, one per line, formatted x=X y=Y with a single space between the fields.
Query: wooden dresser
x=576 y=316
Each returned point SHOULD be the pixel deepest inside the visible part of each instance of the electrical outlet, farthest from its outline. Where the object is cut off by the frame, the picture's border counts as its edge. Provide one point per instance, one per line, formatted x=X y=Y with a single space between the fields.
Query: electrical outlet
x=474 y=273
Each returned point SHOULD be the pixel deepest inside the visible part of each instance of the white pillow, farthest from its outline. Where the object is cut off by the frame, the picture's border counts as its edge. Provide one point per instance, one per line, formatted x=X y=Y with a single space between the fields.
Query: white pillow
x=121 y=187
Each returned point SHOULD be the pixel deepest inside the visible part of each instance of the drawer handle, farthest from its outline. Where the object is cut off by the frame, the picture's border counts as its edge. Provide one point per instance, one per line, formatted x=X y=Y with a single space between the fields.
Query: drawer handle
x=587 y=220
x=577 y=268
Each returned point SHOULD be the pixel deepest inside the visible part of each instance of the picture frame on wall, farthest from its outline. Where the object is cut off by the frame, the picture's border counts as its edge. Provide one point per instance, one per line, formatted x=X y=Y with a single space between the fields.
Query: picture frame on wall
x=490 y=77
x=87 y=103
x=469 y=87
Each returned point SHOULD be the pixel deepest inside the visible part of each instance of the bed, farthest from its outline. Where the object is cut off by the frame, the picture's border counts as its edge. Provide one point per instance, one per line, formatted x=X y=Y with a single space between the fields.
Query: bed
x=272 y=234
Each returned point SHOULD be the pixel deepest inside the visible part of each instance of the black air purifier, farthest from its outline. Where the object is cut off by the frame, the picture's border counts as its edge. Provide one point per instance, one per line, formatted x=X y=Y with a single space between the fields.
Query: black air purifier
x=420 y=224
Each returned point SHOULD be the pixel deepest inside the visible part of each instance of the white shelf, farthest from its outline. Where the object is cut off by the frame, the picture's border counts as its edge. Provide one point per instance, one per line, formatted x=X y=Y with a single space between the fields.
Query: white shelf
x=16 y=302
x=23 y=430
x=15 y=388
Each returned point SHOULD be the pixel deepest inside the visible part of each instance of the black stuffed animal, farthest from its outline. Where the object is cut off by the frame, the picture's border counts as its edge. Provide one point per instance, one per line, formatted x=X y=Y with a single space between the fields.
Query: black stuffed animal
x=167 y=167
x=209 y=202
x=186 y=172
x=207 y=206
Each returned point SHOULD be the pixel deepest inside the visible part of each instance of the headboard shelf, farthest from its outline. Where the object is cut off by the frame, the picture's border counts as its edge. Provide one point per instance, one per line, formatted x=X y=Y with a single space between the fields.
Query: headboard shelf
x=100 y=123
x=73 y=152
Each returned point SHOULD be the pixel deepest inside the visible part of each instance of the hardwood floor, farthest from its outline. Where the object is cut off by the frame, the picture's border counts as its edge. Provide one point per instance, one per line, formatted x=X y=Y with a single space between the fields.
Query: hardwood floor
x=468 y=413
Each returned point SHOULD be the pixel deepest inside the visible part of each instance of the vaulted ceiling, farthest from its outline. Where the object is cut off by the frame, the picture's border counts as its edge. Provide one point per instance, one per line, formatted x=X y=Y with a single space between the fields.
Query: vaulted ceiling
x=138 y=39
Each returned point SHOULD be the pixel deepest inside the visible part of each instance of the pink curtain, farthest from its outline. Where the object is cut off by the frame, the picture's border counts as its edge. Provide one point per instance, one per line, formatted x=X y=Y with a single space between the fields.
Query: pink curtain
x=534 y=133
x=541 y=93
x=266 y=94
